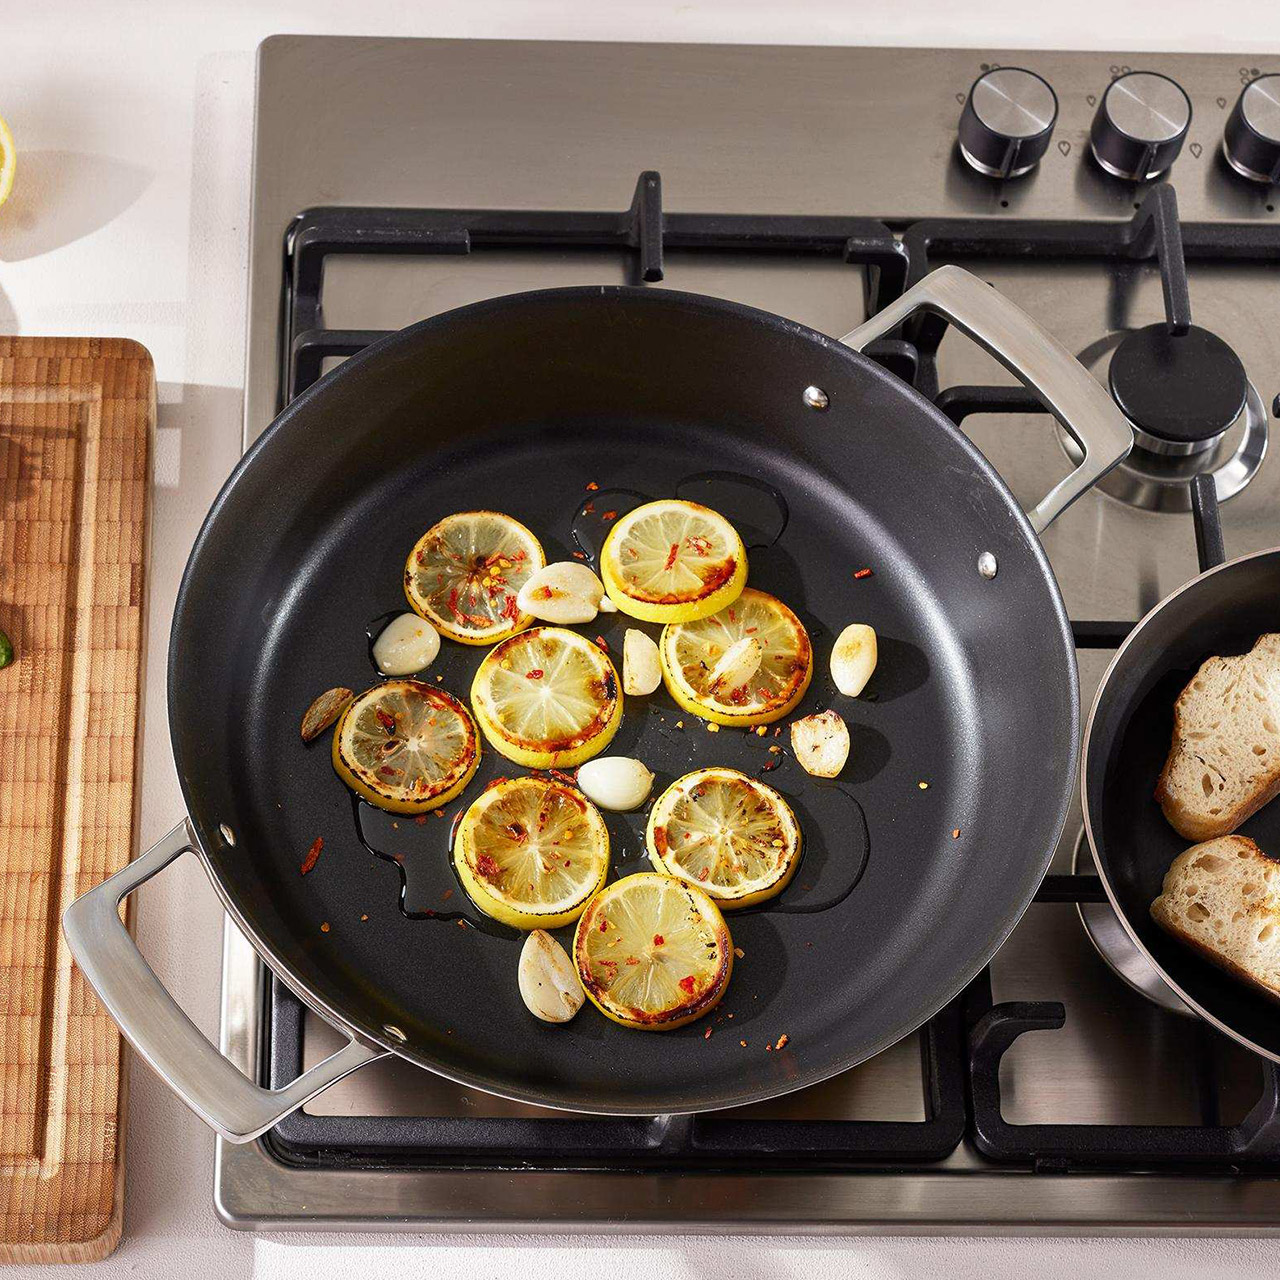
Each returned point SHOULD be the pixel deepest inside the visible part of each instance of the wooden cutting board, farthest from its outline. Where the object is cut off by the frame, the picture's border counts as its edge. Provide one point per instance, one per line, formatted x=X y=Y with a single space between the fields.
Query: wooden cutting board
x=76 y=421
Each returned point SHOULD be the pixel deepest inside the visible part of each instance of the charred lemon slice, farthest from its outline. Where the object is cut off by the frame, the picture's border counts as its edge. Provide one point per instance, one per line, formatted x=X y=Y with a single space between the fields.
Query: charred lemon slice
x=690 y=652
x=406 y=746
x=732 y=836
x=531 y=852
x=465 y=573
x=547 y=698
x=653 y=952
x=671 y=561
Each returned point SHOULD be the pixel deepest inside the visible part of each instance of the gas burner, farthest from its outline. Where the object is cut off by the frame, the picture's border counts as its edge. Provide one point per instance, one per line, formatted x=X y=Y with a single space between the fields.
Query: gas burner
x=1192 y=408
x=1114 y=945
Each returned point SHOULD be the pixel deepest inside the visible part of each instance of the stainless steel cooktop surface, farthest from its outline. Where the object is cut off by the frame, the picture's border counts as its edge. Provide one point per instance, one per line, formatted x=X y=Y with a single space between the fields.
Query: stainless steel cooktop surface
x=797 y=131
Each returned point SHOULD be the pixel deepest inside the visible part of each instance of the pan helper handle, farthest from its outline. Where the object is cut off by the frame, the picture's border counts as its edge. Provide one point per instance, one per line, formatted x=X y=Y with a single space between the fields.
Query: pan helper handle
x=1038 y=360
x=169 y=1041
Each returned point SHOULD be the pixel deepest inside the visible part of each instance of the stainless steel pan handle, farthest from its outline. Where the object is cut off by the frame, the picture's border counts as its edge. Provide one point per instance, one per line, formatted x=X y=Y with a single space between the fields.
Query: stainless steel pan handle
x=152 y=1022
x=1039 y=361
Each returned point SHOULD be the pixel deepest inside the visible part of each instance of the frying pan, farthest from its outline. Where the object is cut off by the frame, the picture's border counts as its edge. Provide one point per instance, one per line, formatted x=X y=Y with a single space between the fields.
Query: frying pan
x=1222 y=611
x=519 y=404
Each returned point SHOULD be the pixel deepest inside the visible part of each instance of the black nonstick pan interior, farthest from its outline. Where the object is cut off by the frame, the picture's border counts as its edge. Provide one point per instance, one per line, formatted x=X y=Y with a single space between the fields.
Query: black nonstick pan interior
x=520 y=405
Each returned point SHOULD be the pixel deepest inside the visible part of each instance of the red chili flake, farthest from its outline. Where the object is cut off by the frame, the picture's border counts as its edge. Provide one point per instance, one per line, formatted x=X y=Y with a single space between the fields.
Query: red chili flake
x=671 y=558
x=589 y=509
x=313 y=855
x=768 y=1048
x=732 y=616
x=324 y=927
x=535 y=674
x=658 y=939
x=509 y=610
x=364 y=916
x=592 y=486
x=687 y=984
x=438 y=812
x=387 y=771
x=955 y=835
x=782 y=1041
x=446 y=895
x=606 y=516
x=632 y=960
x=704 y=873
x=387 y=721
x=567 y=778
x=863 y=573
x=603 y=643
x=487 y=867
x=462 y=924
x=420 y=820
x=706 y=1035
x=579 y=555
x=604 y=925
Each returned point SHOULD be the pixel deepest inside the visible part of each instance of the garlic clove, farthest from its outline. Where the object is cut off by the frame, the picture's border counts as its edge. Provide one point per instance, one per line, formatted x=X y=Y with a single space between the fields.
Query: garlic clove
x=615 y=782
x=853 y=658
x=324 y=711
x=641 y=666
x=735 y=667
x=406 y=645
x=549 y=986
x=821 y=743
x=565 y=592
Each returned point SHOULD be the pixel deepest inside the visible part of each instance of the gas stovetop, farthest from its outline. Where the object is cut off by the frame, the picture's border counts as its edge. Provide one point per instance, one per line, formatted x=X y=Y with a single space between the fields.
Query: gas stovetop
x=394 y=179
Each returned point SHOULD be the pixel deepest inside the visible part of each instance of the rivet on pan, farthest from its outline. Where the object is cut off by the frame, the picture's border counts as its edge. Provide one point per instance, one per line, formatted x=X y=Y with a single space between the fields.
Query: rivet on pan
x=816 y=398
x=227 y=834
x=395 y=1033
x=987 y=565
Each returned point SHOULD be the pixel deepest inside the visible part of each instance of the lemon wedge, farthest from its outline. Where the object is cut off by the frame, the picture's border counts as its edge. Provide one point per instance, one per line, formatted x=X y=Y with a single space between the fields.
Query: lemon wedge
x=547 y=698
x=531 y=852
x=653 y=952
x=406 y=746
x=732 y=836
x=671 y=561
x=465 y=573
x=8 y=161
x=691 y=653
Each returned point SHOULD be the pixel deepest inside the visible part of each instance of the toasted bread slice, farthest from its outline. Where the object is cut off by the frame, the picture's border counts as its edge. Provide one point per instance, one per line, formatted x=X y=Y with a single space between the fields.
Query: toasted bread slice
x=1223 y=898
x=1224 y=764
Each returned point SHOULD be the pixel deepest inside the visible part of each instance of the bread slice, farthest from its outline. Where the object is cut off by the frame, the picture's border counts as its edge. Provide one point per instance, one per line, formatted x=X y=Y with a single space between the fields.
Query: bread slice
x=1224 y=764
x=1223 y=898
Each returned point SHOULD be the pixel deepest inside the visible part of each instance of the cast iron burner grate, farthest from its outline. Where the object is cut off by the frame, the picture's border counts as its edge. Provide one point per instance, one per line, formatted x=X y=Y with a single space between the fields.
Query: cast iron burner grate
x=961 y=1047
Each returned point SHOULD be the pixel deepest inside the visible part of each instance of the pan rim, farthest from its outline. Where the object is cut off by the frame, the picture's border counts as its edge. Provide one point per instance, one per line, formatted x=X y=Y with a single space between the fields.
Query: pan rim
x=1190 y=1001
x=1062 y=641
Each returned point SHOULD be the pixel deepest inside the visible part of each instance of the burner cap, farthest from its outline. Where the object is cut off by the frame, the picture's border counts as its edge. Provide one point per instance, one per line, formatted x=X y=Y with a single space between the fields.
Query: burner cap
x=1184 y=392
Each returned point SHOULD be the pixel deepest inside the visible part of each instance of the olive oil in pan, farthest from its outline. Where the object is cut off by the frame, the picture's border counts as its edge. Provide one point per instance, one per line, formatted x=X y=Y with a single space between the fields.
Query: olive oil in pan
x=595 y=515
x=429 y=886
x=756 y=509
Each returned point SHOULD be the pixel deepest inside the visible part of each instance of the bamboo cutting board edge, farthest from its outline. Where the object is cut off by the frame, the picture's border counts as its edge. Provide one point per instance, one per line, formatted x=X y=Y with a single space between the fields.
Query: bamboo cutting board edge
x=68 y=1218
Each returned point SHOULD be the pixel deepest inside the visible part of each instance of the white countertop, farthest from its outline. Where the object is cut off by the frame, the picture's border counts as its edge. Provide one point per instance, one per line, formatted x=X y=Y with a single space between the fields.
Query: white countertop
x=129 y=218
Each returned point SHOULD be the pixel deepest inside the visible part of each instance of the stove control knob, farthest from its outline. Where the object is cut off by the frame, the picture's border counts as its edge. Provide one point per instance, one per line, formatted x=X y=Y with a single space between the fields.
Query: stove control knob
x=1251 y=140
x=1007 y=122
x=1140 y=125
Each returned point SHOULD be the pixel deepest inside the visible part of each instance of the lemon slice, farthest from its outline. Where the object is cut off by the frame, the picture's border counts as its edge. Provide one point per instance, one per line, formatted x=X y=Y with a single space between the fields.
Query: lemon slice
x=653 y=952
x=465 y=573
x=531 y=852
x=690 y=651
x=732 y=836
x=671 y=561
x=8 y=161
x=406 y=746
x=547 y=697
